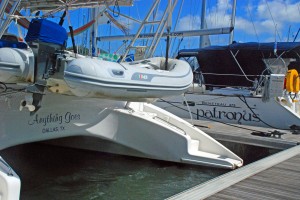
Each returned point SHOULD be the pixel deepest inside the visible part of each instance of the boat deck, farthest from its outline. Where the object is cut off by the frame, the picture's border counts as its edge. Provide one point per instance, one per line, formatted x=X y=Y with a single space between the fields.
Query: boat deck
x=280 y=139
x=274 y=177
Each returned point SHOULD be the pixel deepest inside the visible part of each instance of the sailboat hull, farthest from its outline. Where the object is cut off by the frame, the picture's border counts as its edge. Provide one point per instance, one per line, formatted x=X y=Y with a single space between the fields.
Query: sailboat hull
x=234 y=109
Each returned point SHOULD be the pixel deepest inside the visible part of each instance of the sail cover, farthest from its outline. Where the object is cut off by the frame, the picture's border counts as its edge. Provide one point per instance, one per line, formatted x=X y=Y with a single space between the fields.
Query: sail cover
x=250 y=56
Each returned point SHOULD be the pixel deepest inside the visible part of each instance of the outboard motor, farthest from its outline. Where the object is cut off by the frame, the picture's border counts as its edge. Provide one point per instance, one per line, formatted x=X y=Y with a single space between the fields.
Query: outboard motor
x=45 y=38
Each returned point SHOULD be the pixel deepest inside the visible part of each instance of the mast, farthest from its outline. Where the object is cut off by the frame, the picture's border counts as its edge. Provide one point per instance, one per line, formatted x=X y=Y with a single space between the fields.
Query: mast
x=203 y=14
x=232 y=21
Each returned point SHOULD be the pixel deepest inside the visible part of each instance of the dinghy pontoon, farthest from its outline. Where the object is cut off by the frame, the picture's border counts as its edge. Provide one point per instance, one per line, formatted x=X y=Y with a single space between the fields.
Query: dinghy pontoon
x=131 y=80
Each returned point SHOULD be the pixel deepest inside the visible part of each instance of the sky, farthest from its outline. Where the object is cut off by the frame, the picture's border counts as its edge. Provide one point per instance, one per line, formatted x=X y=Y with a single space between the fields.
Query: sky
x=255 y=21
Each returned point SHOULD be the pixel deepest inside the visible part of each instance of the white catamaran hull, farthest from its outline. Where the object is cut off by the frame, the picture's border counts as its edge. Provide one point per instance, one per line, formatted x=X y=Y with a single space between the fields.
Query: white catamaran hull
x=142 y=127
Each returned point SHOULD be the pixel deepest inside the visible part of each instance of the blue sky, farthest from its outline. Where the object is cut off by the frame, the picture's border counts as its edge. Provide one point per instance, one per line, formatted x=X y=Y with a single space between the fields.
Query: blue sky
x=256 y=21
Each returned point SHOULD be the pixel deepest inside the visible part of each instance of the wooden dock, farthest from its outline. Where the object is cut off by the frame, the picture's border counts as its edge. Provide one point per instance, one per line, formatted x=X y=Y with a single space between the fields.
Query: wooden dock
x=243 y=134
x=274 y=177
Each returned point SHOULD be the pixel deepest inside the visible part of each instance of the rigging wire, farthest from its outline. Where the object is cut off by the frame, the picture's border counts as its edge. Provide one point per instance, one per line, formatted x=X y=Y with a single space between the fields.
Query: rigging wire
x=296 y=35
x=240 y=67
x=225 y=11
x=223 y=20
x=209 y=16
x=273 y=21
x=288 y=36
x=190 y=22
x=175 y=26
x=216 y=22
x=252 y=22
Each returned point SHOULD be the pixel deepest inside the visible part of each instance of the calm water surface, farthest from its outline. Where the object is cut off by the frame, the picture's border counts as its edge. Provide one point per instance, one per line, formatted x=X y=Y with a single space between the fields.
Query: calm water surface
x=50 y=172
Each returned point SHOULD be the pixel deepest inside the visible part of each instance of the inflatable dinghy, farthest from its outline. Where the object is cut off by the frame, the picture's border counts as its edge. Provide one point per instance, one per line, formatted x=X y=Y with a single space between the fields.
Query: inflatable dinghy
x=128 y=80
x=16 y=65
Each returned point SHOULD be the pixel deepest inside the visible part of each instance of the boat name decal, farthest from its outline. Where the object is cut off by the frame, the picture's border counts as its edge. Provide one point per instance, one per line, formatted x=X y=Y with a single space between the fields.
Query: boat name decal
x=53 y=119
x=232 y=116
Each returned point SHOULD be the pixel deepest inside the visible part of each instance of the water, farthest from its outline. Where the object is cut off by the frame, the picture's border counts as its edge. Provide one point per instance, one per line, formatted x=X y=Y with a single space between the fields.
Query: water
x=50 y=172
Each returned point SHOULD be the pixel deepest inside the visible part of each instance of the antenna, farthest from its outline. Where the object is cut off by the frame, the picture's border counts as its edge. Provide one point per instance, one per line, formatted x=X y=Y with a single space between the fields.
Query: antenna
x=203 y=14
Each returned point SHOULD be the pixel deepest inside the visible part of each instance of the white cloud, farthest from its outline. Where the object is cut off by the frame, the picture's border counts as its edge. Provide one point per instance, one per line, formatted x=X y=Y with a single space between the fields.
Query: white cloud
x=218 y=20
x=220 y=15
x=268 y=16
x=245 y=25
x=281 y=11
x=255 y=18
x=189 y=22
x=217 y=16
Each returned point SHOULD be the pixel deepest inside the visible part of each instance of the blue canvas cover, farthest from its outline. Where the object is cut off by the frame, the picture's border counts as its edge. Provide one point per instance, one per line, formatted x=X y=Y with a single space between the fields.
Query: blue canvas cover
x=46 y=31
x=250 y=56
x=19 y=45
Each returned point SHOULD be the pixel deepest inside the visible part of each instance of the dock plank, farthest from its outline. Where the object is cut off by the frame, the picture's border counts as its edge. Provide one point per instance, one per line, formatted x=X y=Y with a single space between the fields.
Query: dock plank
x=280 y=183
x=274 y=177
x=242 y=134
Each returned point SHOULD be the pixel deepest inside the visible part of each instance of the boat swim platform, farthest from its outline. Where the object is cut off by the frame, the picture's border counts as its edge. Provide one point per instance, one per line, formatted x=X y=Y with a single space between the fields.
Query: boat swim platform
x=242 y=134
x=274 y=177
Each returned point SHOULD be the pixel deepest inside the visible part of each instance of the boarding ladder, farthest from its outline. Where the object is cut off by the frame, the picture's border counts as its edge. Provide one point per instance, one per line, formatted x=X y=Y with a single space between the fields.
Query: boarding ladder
x=5 y=18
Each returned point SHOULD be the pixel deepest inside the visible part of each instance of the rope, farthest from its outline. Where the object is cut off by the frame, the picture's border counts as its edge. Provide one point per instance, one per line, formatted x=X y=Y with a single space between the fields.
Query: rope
x=244 y=100
x=9 y=90
x=187 y=105
x=240 y=66
x=3 y=86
